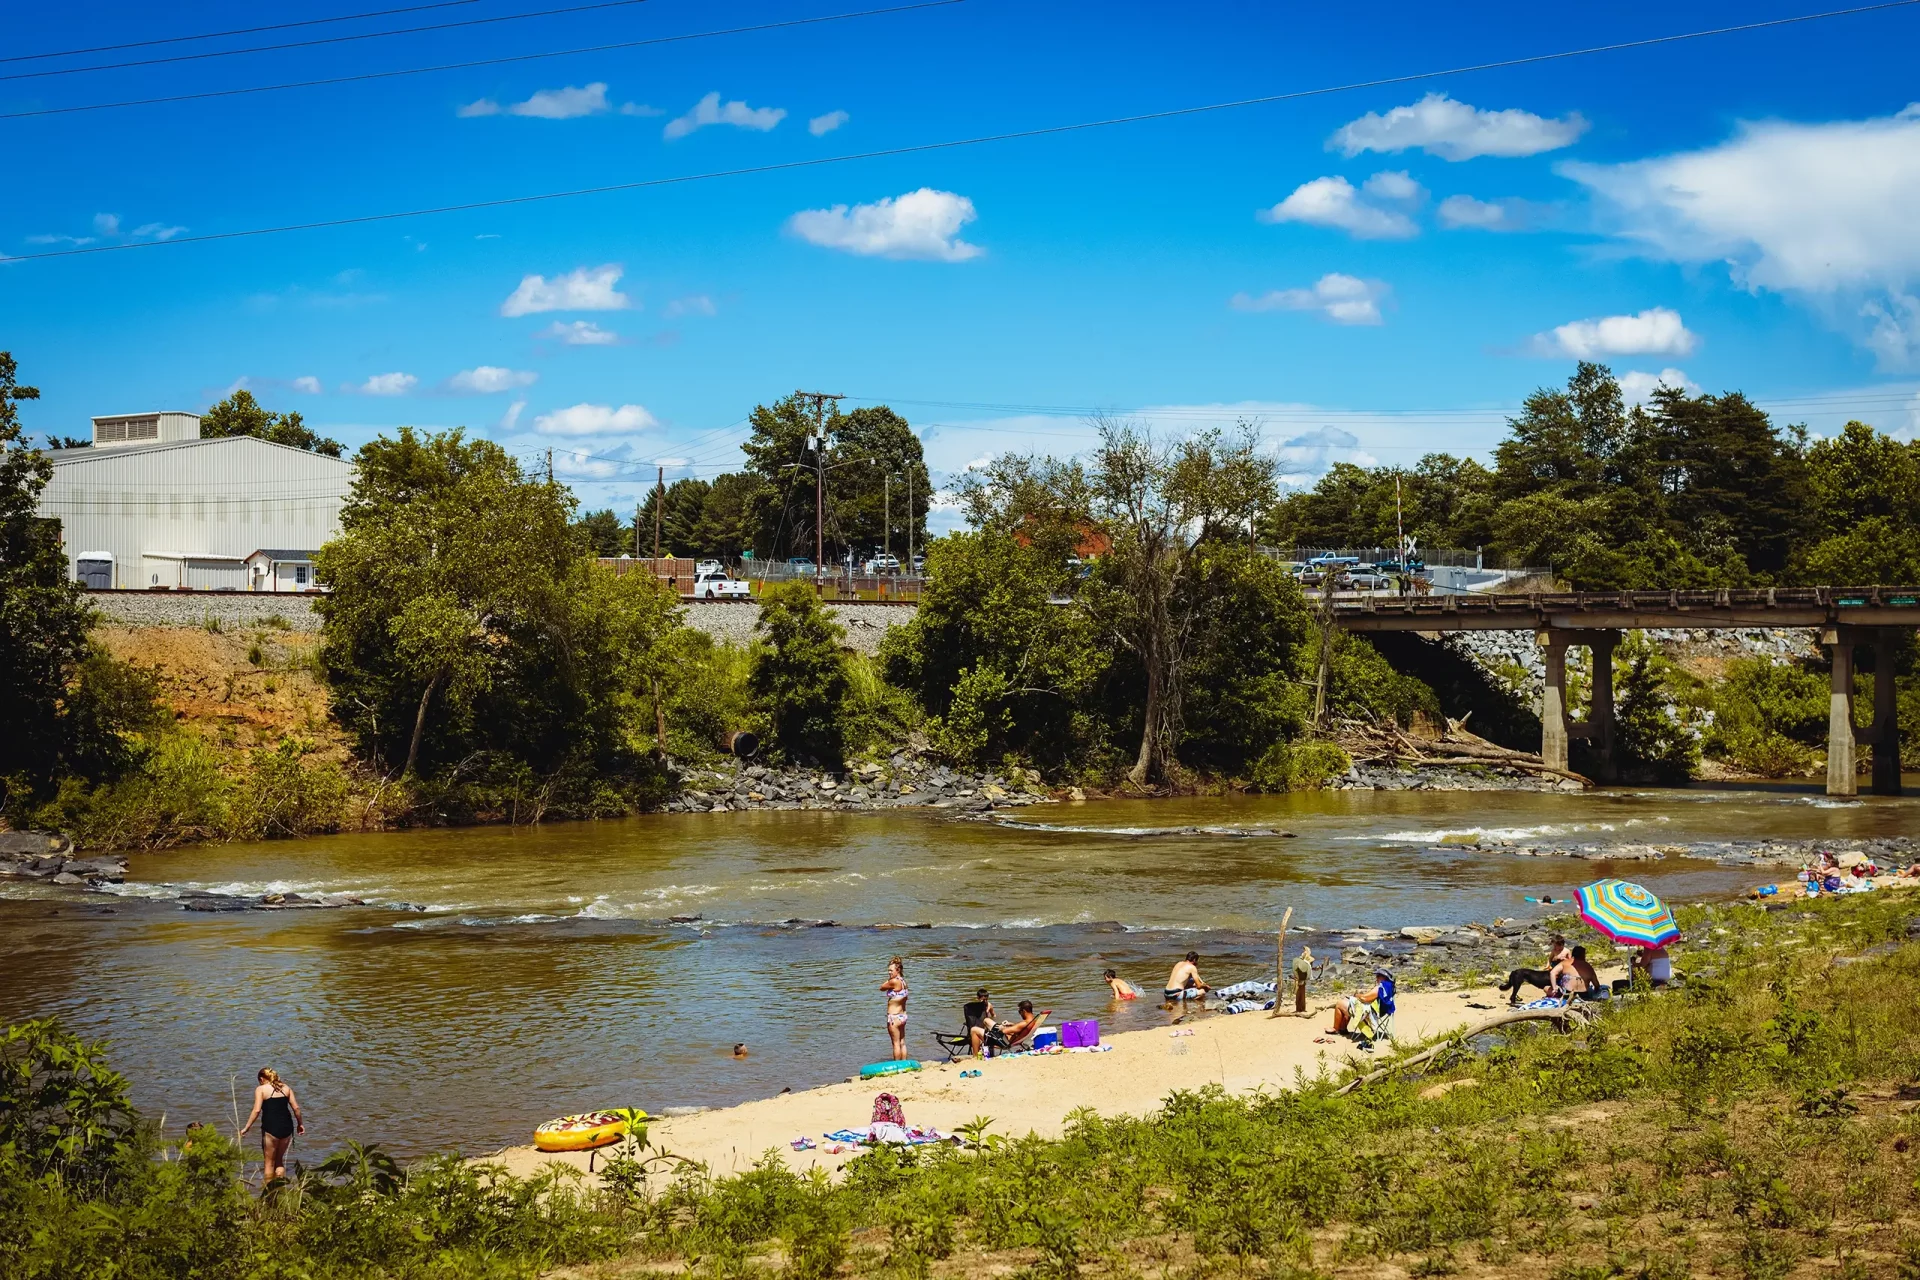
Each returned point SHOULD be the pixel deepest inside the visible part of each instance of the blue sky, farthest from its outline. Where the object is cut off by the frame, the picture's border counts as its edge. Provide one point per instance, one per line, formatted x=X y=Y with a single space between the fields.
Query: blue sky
x=1369 y=274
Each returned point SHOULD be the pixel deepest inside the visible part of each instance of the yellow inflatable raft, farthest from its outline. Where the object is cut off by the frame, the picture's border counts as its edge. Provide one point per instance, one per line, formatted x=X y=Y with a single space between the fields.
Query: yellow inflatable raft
x=583 y=1132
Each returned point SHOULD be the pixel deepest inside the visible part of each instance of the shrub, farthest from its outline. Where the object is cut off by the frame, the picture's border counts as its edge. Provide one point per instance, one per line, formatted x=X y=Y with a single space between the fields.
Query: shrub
x=798 y=678
x=1300 y=766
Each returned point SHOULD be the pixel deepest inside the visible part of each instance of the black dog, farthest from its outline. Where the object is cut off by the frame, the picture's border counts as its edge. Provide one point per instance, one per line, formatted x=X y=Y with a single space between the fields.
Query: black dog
x=1541 y=978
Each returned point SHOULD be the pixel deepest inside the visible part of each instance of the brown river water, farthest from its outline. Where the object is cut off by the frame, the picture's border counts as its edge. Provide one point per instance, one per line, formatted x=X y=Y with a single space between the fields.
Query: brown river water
x=498 y=977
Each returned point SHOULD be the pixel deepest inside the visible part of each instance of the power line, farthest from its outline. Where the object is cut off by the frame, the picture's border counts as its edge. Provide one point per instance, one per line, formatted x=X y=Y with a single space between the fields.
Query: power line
x=479 y=62
x=324 y=40
x=237 y=31
x=952 y=144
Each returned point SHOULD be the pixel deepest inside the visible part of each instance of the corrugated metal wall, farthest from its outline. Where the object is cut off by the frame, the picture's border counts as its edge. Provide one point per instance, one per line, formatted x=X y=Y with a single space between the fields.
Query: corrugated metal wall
x=226 y=498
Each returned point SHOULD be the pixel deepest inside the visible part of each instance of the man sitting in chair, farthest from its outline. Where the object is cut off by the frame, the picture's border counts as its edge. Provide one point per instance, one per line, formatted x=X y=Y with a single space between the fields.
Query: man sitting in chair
x=976 y=1016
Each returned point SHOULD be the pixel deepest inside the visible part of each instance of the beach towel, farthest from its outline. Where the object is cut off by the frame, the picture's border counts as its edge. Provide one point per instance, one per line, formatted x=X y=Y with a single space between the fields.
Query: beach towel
x=1245 y=1006
x=1242 y=990
x=1544 y=1002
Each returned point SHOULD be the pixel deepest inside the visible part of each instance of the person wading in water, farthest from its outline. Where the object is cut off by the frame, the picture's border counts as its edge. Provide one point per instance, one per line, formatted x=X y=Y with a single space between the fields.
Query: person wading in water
x=278 y=1112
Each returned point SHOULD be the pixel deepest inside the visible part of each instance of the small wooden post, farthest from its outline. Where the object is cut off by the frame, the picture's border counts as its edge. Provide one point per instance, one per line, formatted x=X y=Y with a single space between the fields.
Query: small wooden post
x=1280 y=963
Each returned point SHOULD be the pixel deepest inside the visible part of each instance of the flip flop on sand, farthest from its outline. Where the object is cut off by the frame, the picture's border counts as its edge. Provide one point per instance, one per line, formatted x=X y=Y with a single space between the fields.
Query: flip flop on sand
x=803 y=1144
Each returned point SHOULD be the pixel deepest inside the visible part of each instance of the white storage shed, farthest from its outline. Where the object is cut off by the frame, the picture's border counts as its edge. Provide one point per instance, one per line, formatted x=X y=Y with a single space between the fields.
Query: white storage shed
x=169 y=509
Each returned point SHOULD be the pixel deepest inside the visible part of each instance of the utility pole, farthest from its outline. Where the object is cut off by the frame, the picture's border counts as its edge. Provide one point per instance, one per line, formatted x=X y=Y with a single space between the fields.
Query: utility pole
x=912 y=517
x=549 y=466
x=659 y=501
x=636 y=531
x=819 y=400
x=886 y=515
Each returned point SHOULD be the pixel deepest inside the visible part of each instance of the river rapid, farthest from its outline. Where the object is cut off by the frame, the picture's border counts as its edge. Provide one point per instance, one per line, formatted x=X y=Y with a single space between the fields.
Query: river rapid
x=497 y=977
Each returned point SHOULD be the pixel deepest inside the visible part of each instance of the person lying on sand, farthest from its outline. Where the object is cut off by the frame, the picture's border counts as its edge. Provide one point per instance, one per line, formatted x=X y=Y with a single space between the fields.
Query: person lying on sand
x=1185 y=982
x=1017 y=1032
x=1121 y=988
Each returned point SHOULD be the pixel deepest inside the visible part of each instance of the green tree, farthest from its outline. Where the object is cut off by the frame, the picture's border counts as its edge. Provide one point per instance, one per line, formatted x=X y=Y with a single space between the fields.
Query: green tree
x=780 y=508
x=601 y=534
x=1159 y=506
x=241 y=415
x=1000 y=667
x=877 y=481
x=466 y=630
x=44 y=619
x=799 y=678
x=1733 y=486
x=1864 y=510
x=723 y=530
x=1652 y=741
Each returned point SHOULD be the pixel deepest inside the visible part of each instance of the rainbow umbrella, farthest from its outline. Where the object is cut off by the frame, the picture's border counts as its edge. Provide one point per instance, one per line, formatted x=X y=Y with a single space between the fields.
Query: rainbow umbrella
x=1627 y=913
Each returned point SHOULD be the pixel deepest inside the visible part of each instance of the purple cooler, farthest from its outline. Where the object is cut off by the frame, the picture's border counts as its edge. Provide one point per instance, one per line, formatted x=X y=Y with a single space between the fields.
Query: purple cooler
x=1080 y=1035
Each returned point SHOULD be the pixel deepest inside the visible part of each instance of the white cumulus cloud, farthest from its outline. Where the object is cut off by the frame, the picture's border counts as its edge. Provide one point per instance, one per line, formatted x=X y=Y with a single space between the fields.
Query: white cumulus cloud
x=1343 y=299
x=1441 y=126
x=922 y=224
x=1820 y=211
x=1334 y=202
x=710 y=110
x=582 y=289
x=1657 y=331
x=581 y=333
x=1467 y=213
x=1393 y=184
x=107 y=224
x=387 y=384
x=819 y=126
x=548 y=104
x=594 y=420
x=1638 y=388
x=487 y=379
x=307 y=385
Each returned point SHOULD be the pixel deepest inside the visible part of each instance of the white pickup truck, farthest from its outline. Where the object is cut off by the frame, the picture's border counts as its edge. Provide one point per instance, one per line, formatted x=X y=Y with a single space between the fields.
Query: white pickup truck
x=716 y=585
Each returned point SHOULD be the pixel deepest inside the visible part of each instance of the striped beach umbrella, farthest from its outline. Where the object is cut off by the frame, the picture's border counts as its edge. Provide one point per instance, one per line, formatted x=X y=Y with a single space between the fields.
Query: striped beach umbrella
x=1627 y=913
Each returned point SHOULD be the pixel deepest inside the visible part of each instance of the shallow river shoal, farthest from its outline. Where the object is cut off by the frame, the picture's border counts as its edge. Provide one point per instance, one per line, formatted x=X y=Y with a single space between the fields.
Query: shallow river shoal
x=498 y=977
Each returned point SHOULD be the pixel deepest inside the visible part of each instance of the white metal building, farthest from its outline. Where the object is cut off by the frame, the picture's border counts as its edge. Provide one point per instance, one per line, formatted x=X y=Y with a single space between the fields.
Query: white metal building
x=153 y=505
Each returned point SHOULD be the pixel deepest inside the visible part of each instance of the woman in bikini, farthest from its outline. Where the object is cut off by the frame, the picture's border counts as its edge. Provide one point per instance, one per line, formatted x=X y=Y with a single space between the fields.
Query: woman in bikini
x=896 y=988
x=278 y=1112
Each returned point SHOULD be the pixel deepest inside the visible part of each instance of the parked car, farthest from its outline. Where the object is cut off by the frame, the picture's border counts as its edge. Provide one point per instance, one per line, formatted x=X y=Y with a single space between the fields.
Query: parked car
x=800 y=564
x=709 y=566
x=919 y=565
x=718 y=586
x=883 y=563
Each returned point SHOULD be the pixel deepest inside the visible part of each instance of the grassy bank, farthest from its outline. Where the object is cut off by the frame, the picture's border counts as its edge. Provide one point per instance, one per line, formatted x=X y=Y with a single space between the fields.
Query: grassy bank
x=1755 y=1123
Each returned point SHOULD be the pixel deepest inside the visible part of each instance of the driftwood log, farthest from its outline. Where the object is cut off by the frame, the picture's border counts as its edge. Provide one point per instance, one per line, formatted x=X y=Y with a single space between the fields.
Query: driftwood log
x=1455 y=746
x=1567 y=1014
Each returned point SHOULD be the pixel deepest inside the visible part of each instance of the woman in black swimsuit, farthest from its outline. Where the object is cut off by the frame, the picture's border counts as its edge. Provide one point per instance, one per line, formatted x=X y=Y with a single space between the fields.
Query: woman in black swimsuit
x=278 y=1112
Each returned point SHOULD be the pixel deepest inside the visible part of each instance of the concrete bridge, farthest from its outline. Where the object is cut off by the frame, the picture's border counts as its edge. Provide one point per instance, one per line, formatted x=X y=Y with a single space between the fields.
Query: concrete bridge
x=1847 y=618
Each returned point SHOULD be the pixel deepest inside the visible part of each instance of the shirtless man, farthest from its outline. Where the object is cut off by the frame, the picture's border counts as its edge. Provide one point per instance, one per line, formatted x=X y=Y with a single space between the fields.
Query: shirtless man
x=1185 y=983
x=1016 y=1032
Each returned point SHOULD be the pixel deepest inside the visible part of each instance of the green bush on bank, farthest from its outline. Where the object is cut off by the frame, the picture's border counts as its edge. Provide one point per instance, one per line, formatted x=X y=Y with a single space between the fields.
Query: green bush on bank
x=1740 y=1134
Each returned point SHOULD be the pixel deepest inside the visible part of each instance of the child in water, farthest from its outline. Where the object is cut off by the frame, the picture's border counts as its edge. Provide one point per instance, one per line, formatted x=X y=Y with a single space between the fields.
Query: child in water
x=1121 y=988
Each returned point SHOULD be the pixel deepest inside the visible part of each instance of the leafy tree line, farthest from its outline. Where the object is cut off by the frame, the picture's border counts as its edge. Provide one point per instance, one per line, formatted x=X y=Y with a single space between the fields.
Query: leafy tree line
x=1685 y=491
x=876 y=484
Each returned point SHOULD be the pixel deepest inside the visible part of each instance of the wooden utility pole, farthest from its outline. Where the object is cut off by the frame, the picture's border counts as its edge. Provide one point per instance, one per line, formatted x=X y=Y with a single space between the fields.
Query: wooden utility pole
x=659 y=502
x=549 y=466
x=886 y=514
x=819 y=400
x=636 y=531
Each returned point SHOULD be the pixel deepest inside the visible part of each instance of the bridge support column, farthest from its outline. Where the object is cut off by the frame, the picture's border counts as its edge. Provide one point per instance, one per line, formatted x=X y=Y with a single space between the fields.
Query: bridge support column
x=1886 y=717
x=1553 y=702
x=1600 y=705
x=1840 y=777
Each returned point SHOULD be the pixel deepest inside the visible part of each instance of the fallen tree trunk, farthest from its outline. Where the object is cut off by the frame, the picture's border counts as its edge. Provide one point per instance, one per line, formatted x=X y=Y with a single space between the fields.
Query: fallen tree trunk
x=1569 y=1013
x=1532 y=766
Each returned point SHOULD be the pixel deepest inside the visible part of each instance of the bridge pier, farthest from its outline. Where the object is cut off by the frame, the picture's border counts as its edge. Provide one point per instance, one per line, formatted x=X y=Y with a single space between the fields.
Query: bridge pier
x=1883 y=735
x=1557 y=729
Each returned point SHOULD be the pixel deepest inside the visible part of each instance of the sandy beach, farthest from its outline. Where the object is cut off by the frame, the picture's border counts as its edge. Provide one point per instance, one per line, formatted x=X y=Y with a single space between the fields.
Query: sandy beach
x=1035 y=1094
